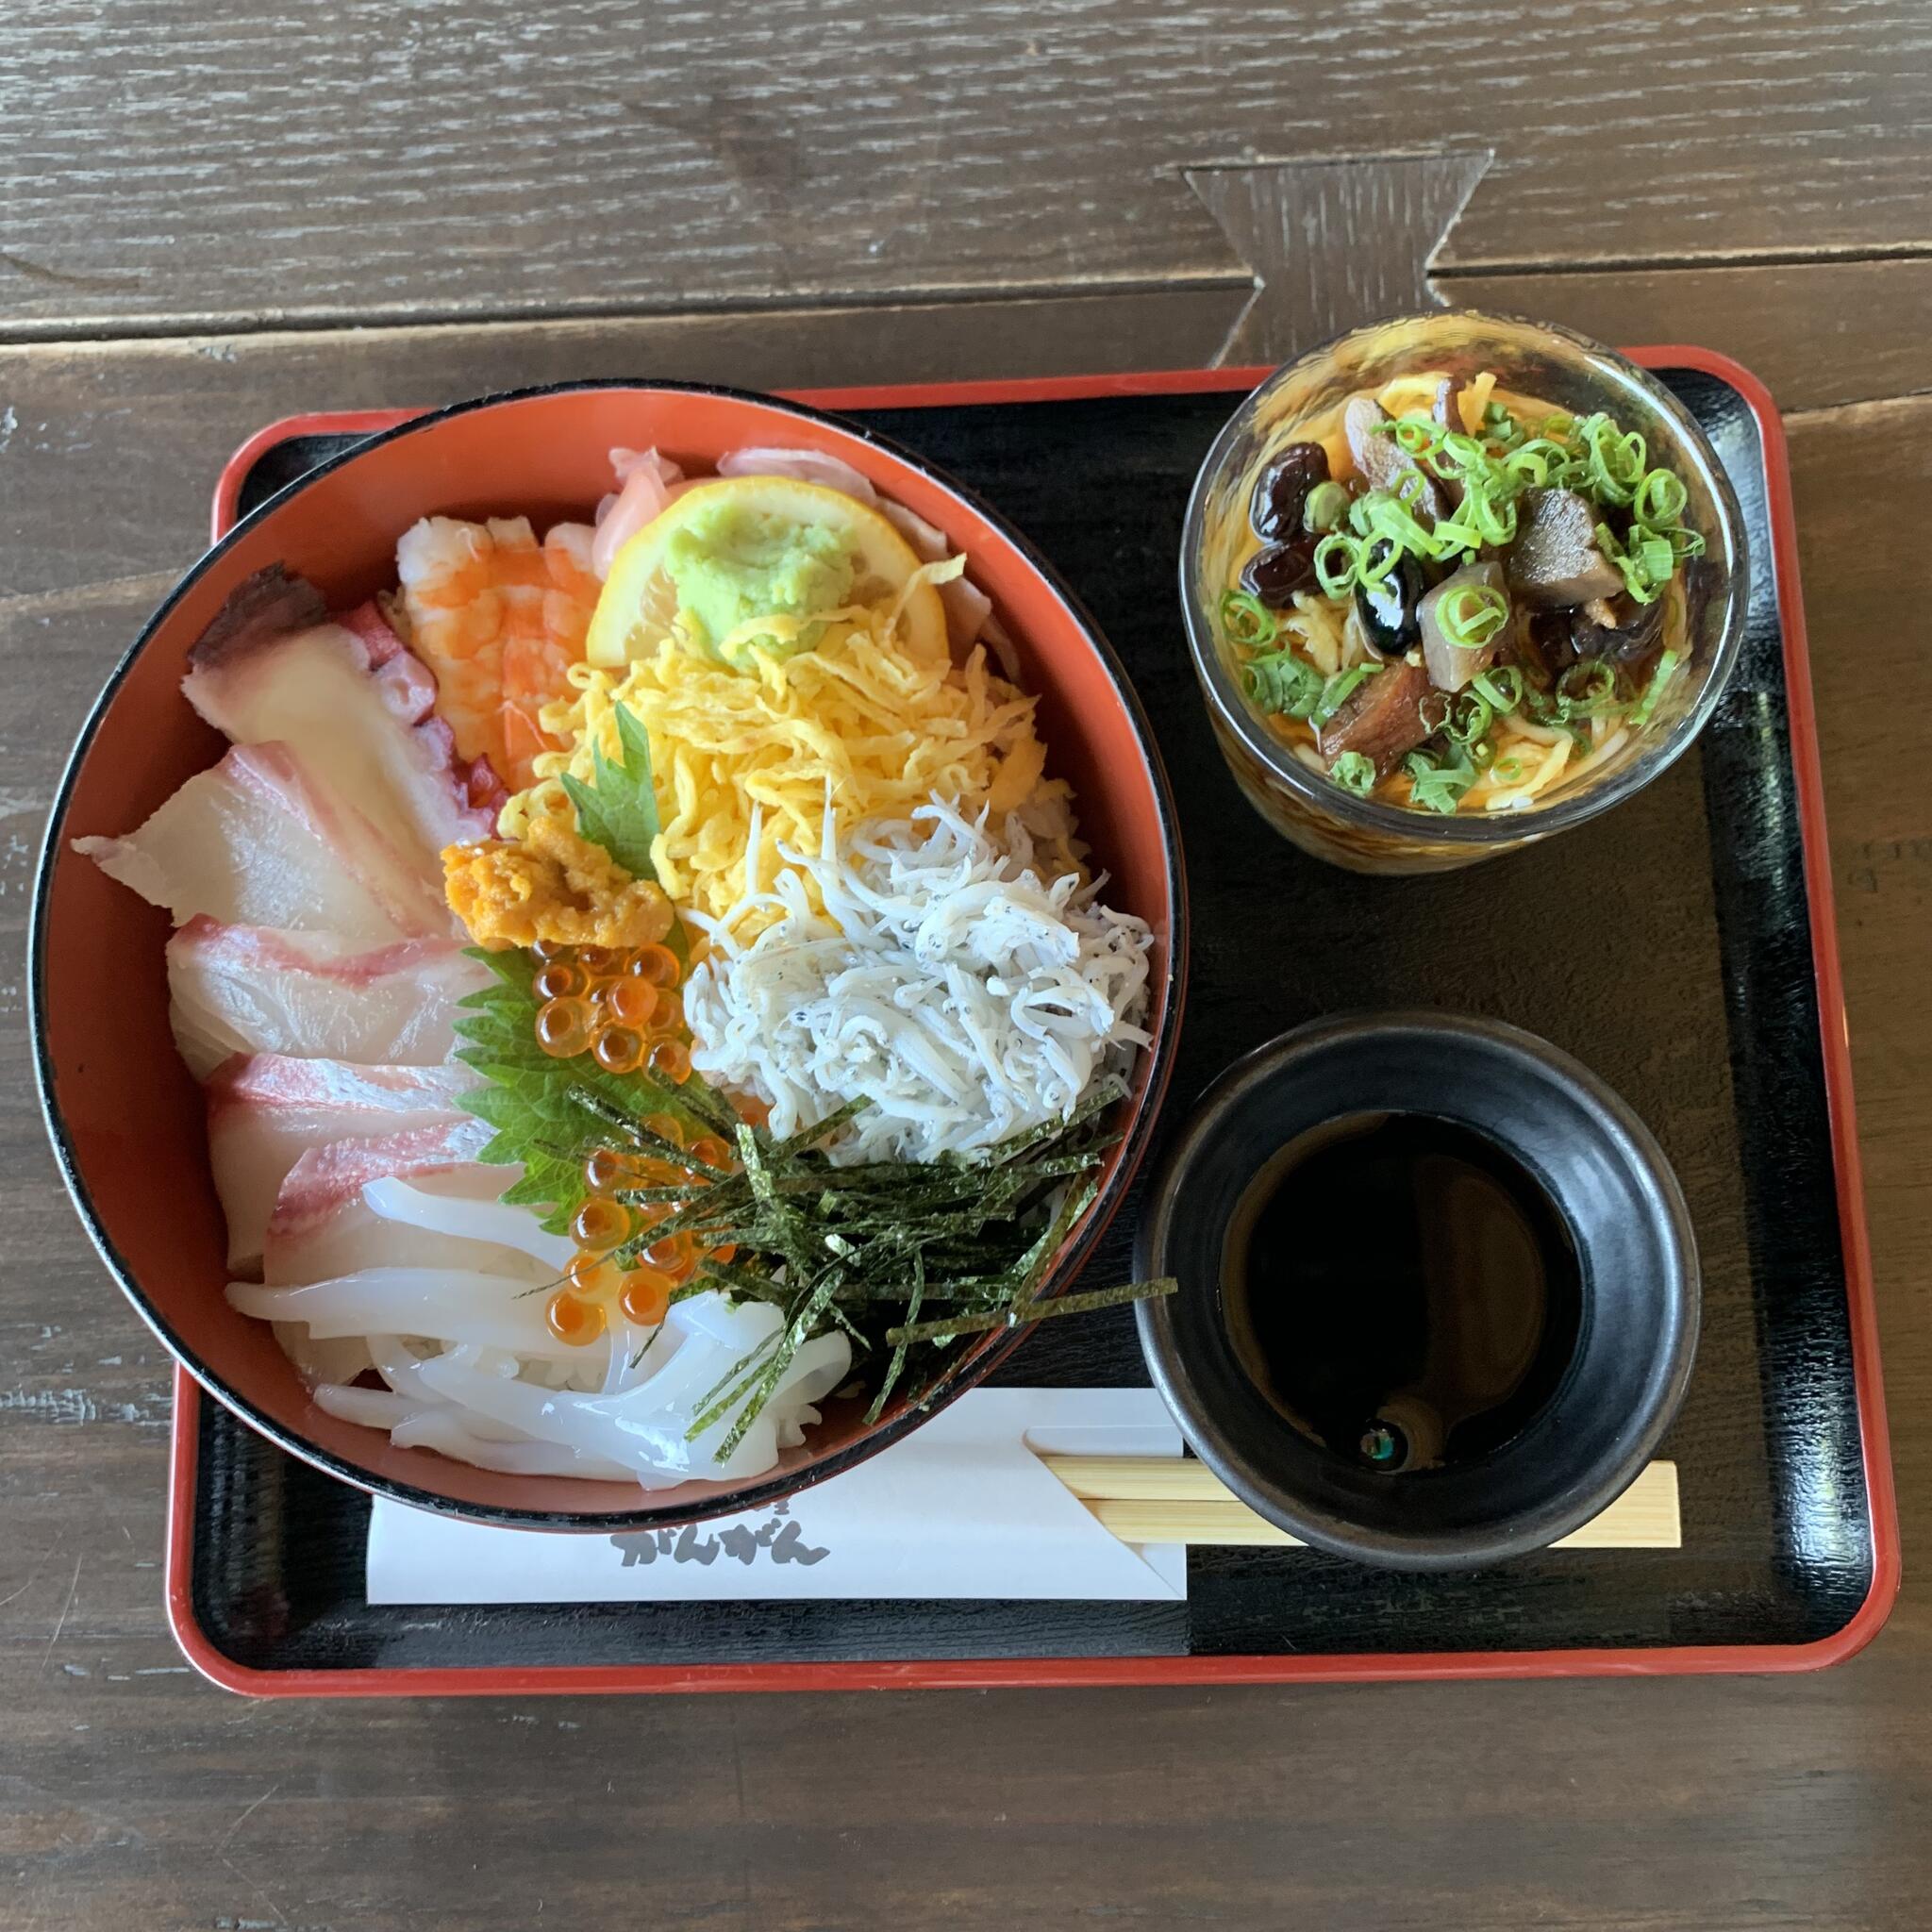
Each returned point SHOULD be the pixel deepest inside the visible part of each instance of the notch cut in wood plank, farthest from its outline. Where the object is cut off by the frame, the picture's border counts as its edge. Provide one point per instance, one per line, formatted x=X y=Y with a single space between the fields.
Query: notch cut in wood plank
x=1333 y=243
x=1147 y=1499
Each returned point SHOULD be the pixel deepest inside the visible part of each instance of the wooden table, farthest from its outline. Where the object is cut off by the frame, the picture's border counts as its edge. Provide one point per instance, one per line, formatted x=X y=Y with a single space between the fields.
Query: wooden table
x=218 y=214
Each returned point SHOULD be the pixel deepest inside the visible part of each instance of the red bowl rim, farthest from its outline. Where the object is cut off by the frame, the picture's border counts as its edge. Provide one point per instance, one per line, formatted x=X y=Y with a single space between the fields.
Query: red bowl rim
x=974 y=1365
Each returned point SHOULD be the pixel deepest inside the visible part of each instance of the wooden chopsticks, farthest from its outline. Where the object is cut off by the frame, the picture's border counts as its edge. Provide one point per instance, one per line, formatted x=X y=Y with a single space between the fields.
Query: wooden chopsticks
x=1153 y=1499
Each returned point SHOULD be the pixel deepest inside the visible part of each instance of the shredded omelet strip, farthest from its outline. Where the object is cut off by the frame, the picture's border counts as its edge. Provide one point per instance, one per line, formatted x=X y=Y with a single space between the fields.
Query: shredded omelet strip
x=885 y=729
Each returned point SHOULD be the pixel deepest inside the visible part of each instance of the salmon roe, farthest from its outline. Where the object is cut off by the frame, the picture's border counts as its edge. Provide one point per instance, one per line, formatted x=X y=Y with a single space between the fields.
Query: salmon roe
x=617 y=1049
x=574 y=1320
x=646 y=1298
x=583 y=1276
x=607 y=1170
x=711 y=1152
x=629 y=1002
x=558 y=981
x=656 y=966
x=600 y=1225
x=669 y=1060
x=563 y=1028
x=622 y=1007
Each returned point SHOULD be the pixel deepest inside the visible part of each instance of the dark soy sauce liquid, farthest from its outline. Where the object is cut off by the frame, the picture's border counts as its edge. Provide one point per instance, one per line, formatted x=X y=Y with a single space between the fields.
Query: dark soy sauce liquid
x=1401 y=1290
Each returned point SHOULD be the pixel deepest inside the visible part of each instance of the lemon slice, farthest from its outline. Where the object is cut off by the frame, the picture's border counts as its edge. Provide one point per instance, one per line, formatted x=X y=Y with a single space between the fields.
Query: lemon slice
x=640 y=598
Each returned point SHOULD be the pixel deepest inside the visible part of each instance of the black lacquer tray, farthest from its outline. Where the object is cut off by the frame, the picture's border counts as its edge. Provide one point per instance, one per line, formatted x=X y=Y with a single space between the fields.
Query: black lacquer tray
x=1681 y=945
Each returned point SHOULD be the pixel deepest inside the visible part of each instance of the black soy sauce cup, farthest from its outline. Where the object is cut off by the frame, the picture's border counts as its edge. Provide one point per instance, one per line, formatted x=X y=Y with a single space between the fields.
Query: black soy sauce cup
x=1624 y=1214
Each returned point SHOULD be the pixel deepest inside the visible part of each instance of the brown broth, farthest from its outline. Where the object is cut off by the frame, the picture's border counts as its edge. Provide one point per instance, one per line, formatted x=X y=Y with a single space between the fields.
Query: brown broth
x=1401 y=1290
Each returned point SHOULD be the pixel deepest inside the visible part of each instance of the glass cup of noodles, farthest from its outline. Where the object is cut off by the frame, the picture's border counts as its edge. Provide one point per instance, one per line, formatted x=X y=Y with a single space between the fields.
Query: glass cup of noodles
x=1455 y=582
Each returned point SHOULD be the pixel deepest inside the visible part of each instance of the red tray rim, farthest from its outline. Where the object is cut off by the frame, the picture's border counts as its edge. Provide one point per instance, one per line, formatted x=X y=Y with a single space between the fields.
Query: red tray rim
x=1009 y=1673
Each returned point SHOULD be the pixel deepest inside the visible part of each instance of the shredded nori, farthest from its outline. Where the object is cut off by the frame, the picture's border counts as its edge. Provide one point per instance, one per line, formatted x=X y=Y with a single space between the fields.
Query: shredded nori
x=872 y=1247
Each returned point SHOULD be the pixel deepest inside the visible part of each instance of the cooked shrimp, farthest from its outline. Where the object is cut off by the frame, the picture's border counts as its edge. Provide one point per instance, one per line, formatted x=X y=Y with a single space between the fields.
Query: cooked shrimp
x=500 y=620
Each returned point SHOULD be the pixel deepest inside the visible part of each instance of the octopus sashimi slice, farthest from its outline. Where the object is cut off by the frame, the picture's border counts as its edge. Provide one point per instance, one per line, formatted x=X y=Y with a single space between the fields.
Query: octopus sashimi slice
x=348 y=699
x=266 y=1110
x=258 y=840
x=313 y=995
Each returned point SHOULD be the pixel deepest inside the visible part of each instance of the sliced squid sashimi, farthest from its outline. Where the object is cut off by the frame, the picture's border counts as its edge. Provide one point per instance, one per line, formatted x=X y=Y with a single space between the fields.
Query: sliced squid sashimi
x=257 y=841
x=266 y=1110
x=452 y=1305
x=352 y=702
x=322 y=1224
x=808 y=465
x=442 y=1429
x=644 y=1426
x=465 y=1216
x=250 y=989
x=967 y=605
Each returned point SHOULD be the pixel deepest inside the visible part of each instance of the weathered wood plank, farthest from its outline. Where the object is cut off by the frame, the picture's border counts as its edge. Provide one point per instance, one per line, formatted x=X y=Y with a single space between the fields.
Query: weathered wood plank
x=1818 y=333
x=170 y=164
x=136 y=1796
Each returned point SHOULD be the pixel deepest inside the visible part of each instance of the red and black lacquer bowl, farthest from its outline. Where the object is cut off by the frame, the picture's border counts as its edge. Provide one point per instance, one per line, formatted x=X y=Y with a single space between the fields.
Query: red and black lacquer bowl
x=125 y=1115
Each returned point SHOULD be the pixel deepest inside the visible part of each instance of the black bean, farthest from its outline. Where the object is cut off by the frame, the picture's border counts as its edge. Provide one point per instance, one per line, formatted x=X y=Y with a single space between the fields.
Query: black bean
x=1277 y=572
x=1387 y=613
x=1281 y=491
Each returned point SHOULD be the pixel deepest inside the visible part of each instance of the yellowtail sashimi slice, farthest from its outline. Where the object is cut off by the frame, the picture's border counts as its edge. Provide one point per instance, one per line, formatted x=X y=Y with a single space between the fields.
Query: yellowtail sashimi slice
x=255 y=989
x=258 y=840
x=264 y=1112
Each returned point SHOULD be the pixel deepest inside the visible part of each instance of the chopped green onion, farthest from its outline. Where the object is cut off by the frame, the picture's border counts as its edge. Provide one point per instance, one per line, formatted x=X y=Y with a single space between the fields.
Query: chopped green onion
x=1384 y=515
x=1354 y=772
x=1457 y=456
x=1337 y=563
x=1645 y=566
x=1540 y=463
x=1326 y=506
x=1500 y=427
x=1655 y=555
x=1470 y=717
x=1612 y=459
x=1434 y=787
x=1281 y=683
x=1508 y=770
x=1412 y=433
x=1246 y=621
x=1559 y=426
x=1472 y=615
x=1659 y=499
x=1666 y=670
x=1338 y=691
x=1501 y=687
x=1586 y=689
x=1485 y=516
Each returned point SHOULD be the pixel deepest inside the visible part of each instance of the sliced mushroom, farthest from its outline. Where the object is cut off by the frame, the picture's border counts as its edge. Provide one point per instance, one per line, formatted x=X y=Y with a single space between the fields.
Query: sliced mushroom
x=1622 y=632
x=1540 y=640
x=1445 y=412
x=1380 y=459
x=1382 y=718
x=1555 y=560
x=1452 y=665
